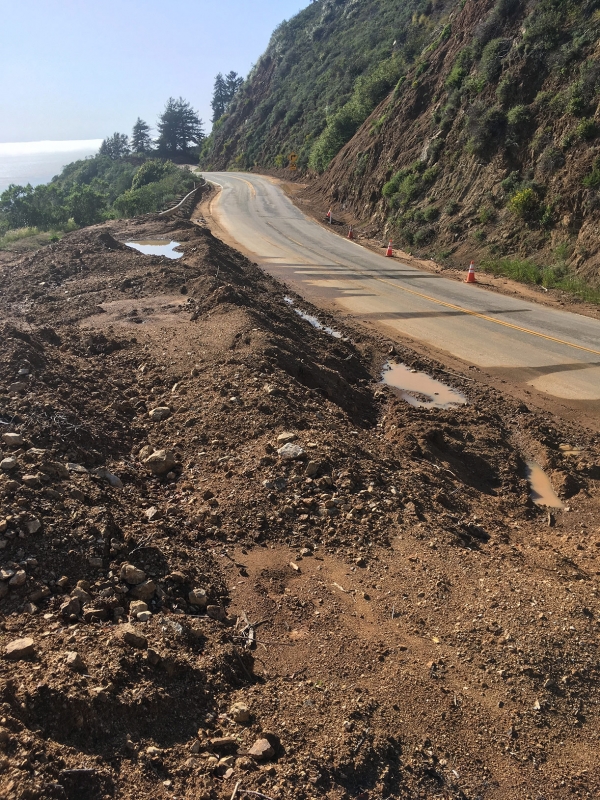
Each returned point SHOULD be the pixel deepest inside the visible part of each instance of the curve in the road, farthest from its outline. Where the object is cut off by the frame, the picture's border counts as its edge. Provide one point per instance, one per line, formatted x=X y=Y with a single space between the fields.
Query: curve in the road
x=554 y=351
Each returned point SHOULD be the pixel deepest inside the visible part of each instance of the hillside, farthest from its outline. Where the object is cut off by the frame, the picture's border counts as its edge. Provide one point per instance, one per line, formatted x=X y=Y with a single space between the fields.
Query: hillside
x=490 y=148
x=486 y=146
x=322 y=74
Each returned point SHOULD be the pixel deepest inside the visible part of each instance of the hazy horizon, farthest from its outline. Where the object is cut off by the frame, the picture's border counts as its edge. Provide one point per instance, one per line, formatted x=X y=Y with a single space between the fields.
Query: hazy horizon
x=22 y=163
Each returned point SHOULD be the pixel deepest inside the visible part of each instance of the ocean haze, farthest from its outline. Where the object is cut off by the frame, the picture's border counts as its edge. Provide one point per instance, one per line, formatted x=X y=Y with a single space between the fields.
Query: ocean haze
x=38 y=162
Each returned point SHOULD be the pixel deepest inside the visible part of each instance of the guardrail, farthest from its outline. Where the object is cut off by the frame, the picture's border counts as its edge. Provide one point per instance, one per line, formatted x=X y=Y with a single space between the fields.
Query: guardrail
x=182 y=205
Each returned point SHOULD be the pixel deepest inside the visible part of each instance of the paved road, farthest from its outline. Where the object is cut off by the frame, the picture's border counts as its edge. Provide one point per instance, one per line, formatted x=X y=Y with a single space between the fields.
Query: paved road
x=556 y=352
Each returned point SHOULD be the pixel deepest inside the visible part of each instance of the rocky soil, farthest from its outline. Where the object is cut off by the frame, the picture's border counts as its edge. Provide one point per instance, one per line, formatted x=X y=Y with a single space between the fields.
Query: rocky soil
x=234 y=564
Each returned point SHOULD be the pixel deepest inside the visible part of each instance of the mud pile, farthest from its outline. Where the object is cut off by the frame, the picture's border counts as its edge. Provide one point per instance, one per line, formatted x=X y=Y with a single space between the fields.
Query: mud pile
x=231 y=557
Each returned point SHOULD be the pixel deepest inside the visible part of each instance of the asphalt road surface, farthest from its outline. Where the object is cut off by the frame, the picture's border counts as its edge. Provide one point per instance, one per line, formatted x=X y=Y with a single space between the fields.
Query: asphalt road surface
x=555 y=352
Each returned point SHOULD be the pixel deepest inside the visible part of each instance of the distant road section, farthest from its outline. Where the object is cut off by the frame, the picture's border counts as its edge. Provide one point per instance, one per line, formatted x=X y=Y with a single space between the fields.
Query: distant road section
x=555 y=352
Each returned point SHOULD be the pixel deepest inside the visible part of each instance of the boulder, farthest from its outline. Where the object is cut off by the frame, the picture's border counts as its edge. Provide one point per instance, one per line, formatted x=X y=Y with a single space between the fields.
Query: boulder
x=144 y=591
x=12 y=439
x=131 y=574
x=197 y=597
x=240 y=713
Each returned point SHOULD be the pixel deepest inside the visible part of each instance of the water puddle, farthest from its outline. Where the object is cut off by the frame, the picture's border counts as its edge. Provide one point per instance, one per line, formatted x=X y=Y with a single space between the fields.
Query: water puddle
x=156 y=247
x=314 y=321
x=418 y=389
x=570 y=450
x=542 y=492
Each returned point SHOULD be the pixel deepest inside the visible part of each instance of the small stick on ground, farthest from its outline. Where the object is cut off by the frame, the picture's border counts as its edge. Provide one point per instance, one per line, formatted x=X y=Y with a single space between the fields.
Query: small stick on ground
x=235 y=788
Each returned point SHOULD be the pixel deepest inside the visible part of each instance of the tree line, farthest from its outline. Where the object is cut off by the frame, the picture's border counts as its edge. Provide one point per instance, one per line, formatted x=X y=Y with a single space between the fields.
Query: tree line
x=179 y=127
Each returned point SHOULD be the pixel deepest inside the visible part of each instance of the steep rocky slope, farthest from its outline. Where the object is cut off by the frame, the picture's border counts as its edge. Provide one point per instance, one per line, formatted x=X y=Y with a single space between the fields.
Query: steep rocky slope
x=490 y=146
x=321 y=76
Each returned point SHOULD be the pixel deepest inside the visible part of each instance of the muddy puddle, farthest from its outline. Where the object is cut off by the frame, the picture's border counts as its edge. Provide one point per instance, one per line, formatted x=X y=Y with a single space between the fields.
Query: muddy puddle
x=420 y=390
x=542 y=492
x=314 y=321
x=156 y=247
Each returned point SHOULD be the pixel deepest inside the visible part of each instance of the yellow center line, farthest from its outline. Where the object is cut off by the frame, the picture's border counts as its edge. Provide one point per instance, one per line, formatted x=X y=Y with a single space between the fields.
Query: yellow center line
x=489 y=319
x=443 y=303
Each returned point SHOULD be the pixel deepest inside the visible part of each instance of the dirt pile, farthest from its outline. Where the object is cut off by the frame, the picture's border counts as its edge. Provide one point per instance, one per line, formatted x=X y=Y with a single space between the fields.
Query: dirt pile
x=231 y=557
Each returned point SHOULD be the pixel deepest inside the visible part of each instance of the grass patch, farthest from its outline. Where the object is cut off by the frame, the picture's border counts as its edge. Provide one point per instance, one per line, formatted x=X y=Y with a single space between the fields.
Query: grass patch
x=555 y=276
x=28 y=238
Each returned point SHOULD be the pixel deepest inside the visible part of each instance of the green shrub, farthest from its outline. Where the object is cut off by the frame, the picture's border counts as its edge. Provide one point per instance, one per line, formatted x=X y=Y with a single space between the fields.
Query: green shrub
x=511 y=183
x=487 y=215
x=153 y=170
x=451 y=207
x=456 y=77
x=518 y=116
x=551 y=159
x=592 y=181
x=587 y=129
x=435 y=148
x=431 y=213
x=423 y=235
x=524 y=203
x=493 y=54
x=547 y=216
x=506 y=89
x=486 y=128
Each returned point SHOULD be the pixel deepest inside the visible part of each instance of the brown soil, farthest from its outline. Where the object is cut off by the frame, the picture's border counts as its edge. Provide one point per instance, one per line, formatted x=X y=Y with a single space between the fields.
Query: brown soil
x=420 y=628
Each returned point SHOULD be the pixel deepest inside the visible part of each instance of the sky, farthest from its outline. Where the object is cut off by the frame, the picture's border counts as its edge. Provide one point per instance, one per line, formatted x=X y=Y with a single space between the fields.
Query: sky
x=76 y=69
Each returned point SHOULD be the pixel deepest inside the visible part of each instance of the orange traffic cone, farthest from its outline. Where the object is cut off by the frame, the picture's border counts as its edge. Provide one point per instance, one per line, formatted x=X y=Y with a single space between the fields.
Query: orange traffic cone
x=389 y=252
x=351 y=233
x=471 y=273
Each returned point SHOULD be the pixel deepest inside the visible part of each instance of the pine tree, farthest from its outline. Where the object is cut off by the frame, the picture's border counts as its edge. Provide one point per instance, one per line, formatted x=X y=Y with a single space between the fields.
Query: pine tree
x=224 y=92
x=233 y=82
x=178 y=126
x=115 y=146
x=220 y=97
x=140 y=137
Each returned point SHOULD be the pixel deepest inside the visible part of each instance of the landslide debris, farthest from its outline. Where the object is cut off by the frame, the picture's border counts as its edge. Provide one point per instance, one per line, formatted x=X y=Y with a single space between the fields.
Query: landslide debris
x=288 y=580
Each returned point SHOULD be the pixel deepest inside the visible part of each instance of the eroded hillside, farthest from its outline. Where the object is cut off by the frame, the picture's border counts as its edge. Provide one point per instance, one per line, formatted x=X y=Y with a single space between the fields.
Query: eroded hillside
x=489 y=148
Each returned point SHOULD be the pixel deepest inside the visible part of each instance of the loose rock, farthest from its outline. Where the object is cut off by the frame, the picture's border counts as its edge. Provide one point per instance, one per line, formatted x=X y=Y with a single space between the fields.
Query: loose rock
x=160 y=413
x=131 y=574
x=129 y=635
x=290 y=452
x=160 y=462
x=20 y=649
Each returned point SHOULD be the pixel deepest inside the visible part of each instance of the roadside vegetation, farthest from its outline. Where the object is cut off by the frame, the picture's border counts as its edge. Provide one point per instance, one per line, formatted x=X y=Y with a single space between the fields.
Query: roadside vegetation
x=128 y=176
x=553 y=276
